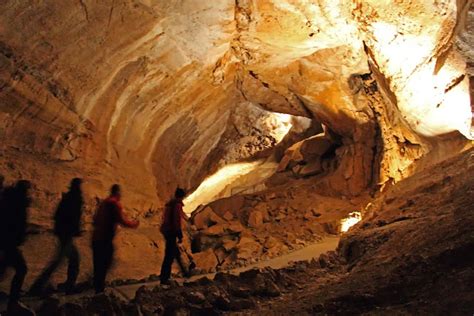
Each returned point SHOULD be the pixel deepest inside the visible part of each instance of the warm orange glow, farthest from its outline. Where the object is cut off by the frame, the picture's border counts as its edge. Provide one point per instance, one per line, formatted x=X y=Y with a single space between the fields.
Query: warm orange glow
x=352 y=219
x=282 y=125
x=214 y=184
x=432 y=102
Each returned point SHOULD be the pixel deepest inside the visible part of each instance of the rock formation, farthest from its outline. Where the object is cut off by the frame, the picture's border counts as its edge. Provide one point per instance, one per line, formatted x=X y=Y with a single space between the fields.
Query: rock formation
x=143 y=92
x=341 y=98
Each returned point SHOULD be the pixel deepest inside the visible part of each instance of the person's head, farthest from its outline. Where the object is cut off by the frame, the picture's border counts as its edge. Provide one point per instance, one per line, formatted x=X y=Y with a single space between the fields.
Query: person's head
x=22 y=186
x=75 y=184
x=115 y=190
x=179 y=193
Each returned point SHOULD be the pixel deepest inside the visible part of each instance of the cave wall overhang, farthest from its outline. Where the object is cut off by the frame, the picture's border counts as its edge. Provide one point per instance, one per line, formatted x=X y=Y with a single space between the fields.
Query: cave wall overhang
x=142 y=92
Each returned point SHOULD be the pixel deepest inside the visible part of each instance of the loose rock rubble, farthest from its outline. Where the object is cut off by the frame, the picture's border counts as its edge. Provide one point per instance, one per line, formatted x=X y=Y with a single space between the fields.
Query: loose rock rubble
x=239 y=230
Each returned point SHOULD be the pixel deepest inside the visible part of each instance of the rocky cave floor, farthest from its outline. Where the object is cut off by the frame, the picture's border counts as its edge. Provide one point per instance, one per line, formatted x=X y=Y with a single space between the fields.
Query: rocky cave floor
x=413 y=253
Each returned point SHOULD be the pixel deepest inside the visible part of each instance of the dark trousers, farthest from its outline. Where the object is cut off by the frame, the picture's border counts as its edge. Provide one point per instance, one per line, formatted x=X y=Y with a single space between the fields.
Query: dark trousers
x=103 y=252
x=66 y=249
x=171 y=253
x=13 y=257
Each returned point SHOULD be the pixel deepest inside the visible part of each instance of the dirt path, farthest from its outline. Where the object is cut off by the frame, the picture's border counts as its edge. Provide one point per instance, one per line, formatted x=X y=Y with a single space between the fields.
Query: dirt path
x=128 y=291
x=306 y=253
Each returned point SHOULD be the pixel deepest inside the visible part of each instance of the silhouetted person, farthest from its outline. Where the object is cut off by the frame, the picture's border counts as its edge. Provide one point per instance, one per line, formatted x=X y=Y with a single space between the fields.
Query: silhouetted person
x=13 y=211
x=171 y=230
x=108 y=215
x=67 y=226
x=2 y=180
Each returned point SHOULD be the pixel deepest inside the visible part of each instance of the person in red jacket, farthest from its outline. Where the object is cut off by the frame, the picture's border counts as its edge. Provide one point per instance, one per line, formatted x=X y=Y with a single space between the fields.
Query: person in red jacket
x=171 y=230
x=108 y=216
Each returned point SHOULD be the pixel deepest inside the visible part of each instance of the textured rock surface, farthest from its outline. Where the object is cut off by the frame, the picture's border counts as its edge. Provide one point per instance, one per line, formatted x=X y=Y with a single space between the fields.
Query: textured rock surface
x=390 y=263
x=154 y=94
x=145 y=89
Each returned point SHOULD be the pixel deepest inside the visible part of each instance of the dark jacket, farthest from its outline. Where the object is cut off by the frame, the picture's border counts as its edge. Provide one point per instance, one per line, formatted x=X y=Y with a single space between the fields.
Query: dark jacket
x=172 y=216
x=67 y=219
x=13 y=212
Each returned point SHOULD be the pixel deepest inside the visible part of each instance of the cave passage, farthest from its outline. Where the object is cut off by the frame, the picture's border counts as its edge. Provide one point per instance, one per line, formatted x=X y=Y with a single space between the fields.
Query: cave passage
x=337 y=134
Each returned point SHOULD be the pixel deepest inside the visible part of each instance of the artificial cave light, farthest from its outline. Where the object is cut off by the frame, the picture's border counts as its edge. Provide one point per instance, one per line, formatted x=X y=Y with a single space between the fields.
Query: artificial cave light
x=282 y=125
x=215 y=183
x=352 y=219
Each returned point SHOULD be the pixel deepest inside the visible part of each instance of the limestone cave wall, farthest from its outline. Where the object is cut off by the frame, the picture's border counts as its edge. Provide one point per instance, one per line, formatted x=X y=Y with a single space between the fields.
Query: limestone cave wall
x=145 y=92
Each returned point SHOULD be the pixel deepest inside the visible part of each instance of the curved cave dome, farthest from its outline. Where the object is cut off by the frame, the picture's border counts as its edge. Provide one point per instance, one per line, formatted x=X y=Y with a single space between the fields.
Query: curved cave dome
x=287 y=122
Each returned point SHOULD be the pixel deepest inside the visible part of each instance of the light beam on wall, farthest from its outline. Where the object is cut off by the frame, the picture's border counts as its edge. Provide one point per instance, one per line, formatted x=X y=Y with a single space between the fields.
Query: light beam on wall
x=212 y=187
x=352 y=219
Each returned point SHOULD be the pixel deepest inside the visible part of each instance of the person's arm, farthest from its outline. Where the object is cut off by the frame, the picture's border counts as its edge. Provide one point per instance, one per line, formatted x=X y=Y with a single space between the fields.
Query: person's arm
x=180 y=213
x=123 y=220
x=184 y=215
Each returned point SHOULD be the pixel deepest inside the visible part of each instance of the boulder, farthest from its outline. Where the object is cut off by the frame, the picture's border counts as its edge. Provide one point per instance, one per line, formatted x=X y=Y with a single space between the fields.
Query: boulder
x=235 y=227
x=308 y=215
x=300 y=242
x=222 y=302
x=133 y=309
x=195 y=297
x=271 y=242
x=50 y=306
x=230 y=204
x=314 y=146
x=221 y=254
x=269 y=289
x=255 y=219
x=203 y=241
x=280 y=216
x=266 y=216
x=102 y=304
x=206 y=218
x=72 y=309
x=229 y=244
x=216 y=230
x=331 y=227
x=247 y=248
x=290 y=237
x=274 y=246
x=306 y=152
x=206 y=260
x=240 y=291
x=235 y=304
x=228 y=216
x=310 y=169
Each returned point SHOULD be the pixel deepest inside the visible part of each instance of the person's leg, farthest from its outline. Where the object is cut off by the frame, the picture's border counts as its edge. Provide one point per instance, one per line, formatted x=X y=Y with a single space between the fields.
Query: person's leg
x=17 y=261
x=108 y=260
x=103 y=254
x=73 y=266
x=3 y=264
x=168 y=259
x=44 y=277
x=98 y=264
x=73 y=263
x=179 y=259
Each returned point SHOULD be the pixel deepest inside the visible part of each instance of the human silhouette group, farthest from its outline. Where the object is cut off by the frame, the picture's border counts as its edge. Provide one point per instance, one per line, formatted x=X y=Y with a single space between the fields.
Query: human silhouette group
x=15 y=201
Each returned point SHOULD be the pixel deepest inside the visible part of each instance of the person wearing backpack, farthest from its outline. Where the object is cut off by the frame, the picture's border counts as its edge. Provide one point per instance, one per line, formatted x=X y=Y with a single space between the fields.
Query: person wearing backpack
x=67 y=226
x=14 y=213
x=172 y=232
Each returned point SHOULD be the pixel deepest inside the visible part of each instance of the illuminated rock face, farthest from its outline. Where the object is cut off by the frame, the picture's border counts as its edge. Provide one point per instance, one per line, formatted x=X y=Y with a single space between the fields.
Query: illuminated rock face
x=144 y=92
